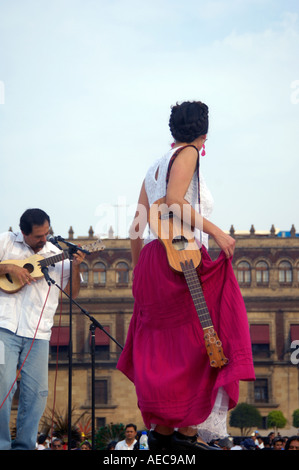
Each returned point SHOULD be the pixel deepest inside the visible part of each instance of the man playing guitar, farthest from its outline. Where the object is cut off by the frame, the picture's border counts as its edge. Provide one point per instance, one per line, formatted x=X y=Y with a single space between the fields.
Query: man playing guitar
x=26 y=319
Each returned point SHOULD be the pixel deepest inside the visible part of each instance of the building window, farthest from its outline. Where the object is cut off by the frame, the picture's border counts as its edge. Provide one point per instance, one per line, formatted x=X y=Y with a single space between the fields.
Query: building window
x=295 y=332
x=100 y=422
x=285 y=272
x=244 y=273
x=99 y=274
x=84 y=273
x=59 y=342
x=101 y=392
x=102 y=343
x=262 y=273
x=122 y=273
x=260 y=341
x=261 y=391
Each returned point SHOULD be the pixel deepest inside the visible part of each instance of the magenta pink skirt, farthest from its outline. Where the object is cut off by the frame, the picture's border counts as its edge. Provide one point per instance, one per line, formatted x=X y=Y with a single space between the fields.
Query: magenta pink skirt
x=165 y=355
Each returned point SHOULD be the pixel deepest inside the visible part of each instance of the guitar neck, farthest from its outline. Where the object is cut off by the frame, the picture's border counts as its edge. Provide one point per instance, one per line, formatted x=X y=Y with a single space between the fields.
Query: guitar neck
x=196 y=293
x=54 y=259
x=65 y=254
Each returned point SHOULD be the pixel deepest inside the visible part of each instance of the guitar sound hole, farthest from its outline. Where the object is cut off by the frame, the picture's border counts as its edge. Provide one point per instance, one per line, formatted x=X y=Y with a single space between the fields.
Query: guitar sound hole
x=29 y=267
x=8 y=277
x=180 y=243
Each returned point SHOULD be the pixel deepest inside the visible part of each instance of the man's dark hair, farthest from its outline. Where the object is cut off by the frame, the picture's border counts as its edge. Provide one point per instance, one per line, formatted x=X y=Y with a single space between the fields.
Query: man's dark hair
x=32 y=217
x=131 y=425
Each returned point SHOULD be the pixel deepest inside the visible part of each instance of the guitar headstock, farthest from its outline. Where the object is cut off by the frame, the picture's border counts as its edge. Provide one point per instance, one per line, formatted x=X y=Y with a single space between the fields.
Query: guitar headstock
x=95 y=246
x=214 y=348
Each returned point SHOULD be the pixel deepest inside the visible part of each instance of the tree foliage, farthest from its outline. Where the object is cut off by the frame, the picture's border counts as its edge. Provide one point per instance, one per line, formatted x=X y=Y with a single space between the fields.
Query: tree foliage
x=245 y=416
x=276 y=419
x=296 y=418
x=110 y=432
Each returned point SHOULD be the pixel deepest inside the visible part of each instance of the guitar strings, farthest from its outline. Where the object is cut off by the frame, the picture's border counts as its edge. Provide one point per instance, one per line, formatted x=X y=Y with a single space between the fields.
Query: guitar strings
x=197 y=295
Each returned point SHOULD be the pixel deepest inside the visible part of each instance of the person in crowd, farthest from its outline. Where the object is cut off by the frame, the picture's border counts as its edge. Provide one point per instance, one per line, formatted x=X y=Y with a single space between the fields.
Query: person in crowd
x=237 y=443
x=86 y=445
x=292 y=443
x=130 y=441
x=226 y=443
x=271 y=436
x=111 y=445
x=57 y=444
x=277 y=443
x=41 y=442
x=249 y=444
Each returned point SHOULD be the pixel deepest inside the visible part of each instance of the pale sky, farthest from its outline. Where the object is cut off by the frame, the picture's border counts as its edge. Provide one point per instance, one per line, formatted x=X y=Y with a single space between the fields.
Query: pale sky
x=86 y=88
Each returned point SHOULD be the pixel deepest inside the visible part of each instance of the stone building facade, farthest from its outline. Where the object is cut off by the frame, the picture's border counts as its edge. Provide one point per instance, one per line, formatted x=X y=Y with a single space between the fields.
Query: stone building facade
x=267 y=269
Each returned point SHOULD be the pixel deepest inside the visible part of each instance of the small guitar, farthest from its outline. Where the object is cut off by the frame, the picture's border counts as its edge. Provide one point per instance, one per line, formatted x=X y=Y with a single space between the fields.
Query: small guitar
x=184 y=256
x=34 y=264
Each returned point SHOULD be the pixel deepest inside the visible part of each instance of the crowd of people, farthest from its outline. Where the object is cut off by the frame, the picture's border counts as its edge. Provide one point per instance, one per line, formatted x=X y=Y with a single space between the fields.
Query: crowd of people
x=131 y=442
x=258 y=442
x=44 y=442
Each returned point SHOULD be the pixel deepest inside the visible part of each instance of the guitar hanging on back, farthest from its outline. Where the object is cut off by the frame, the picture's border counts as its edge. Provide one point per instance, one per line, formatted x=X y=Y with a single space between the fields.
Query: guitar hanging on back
x=184 y=256
x=10 y=284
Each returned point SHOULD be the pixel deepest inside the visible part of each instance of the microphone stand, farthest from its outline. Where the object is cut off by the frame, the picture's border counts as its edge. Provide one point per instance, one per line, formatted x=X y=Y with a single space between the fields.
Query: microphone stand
x=94 y=324
x=72 y=249
x=70 y=351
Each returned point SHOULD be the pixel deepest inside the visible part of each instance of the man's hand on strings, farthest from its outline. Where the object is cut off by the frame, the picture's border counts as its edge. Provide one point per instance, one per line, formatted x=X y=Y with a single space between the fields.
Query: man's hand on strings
x=21 y=274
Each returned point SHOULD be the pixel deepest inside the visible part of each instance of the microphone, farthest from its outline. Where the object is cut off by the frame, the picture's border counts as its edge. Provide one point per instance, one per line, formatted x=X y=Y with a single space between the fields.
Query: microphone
x=45 y=272
x=54 y=241
x=72 y=246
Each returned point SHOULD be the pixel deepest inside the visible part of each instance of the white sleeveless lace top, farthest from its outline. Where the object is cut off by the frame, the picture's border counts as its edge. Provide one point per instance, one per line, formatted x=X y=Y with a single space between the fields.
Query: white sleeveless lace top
x=155 y=186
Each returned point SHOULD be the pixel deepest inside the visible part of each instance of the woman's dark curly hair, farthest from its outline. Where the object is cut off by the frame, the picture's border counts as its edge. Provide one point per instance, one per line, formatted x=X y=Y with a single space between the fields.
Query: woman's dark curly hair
x=189 y=120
